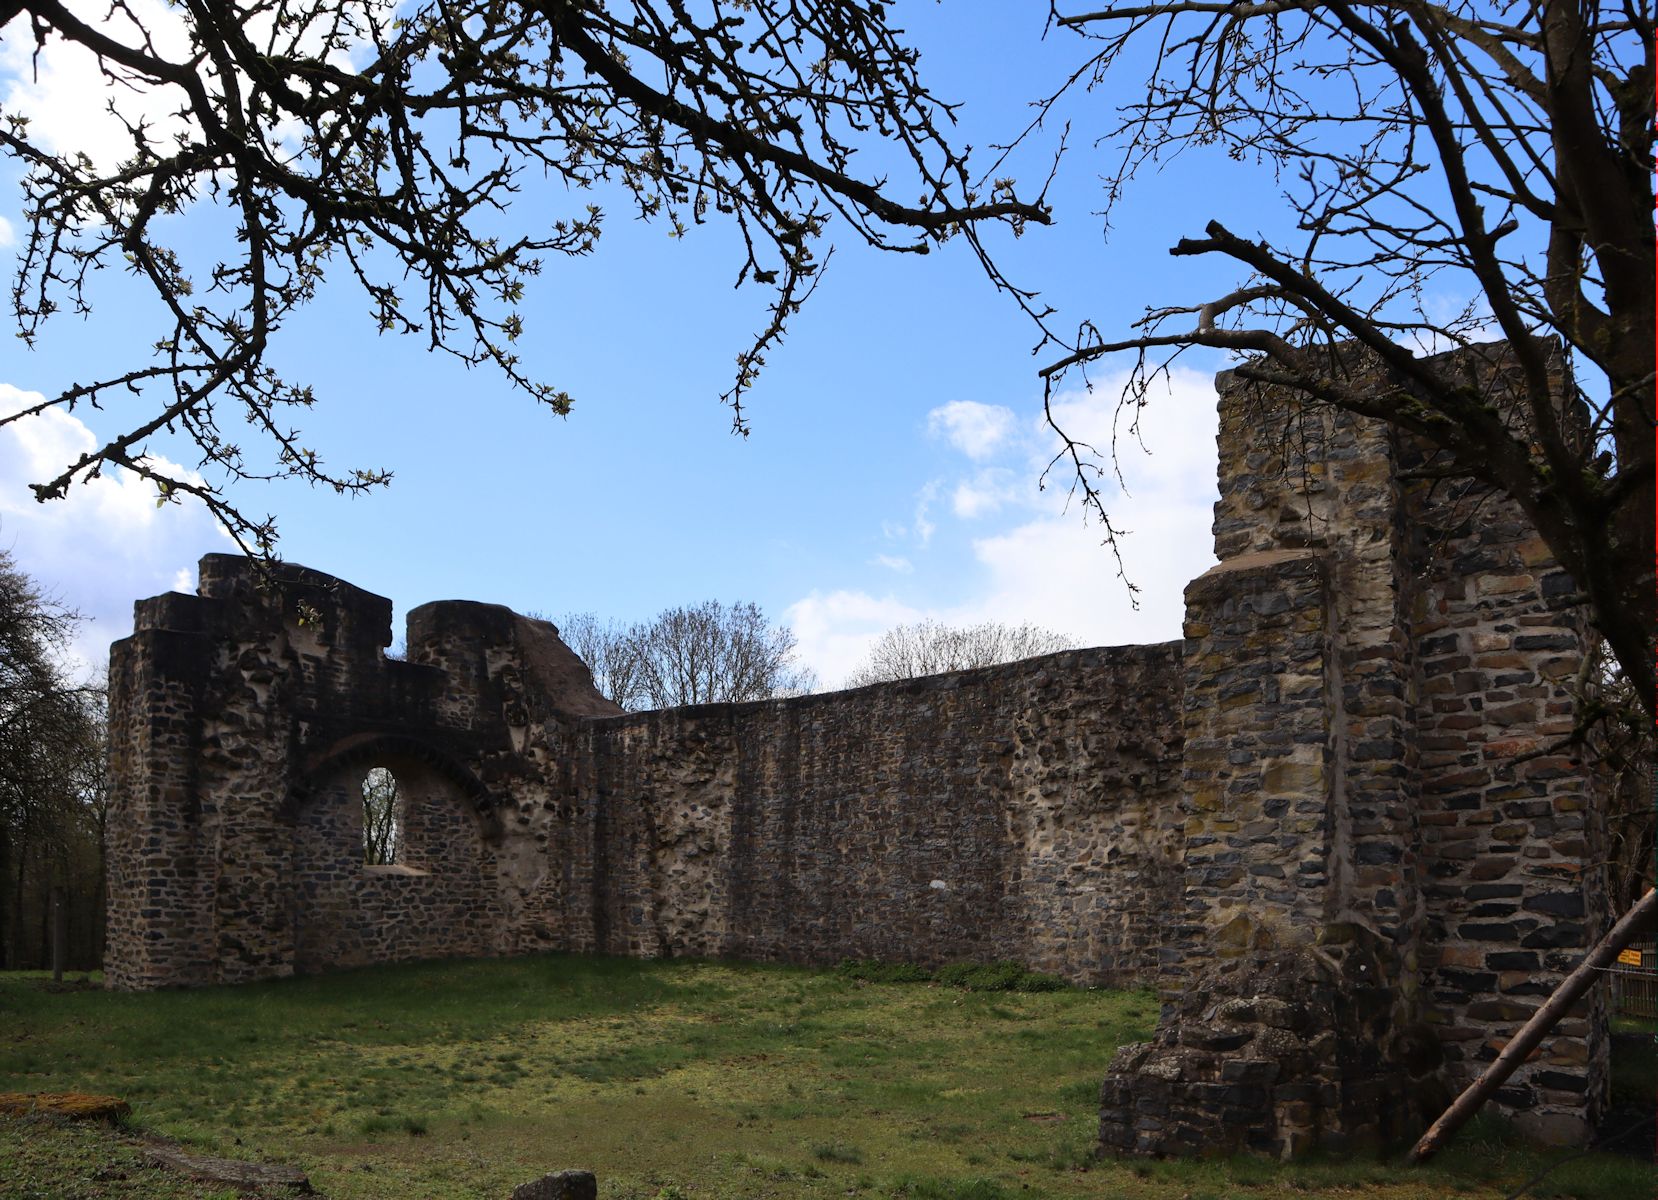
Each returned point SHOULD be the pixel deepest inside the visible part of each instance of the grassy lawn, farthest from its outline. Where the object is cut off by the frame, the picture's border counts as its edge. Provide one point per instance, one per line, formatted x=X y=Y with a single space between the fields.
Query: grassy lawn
x=674 y=1080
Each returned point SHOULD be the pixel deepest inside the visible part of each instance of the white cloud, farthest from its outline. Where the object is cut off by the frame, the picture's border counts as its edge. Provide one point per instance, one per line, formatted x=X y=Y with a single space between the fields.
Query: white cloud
x=986 y=492
x=977 y=430
x=1164 y=448
x=8 y=236
x=1045 y=565
x=834 y=631
x=1442 y=310
x=66 y=97
x=923 y=525
x=1056 y=573
x=104 y=545
x=894 y=562
x=1054 y=570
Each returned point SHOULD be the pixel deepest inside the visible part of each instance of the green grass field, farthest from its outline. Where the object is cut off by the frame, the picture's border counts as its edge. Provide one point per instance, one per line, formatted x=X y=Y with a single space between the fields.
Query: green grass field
x=673 y=1080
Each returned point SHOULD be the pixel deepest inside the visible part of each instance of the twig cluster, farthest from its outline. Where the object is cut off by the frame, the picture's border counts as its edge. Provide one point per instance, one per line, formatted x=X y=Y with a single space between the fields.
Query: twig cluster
x=389 y=145
x=1499 y=154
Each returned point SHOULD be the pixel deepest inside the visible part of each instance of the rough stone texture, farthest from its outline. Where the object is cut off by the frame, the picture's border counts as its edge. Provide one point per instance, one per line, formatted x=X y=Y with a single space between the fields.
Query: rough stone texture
x=1025 y=811
x=243 y=722
x=1310 y=823
x=1361 y=672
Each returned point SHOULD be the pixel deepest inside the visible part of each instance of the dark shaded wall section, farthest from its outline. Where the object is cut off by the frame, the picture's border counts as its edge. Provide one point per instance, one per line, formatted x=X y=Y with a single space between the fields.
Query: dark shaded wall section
x=1027 y=811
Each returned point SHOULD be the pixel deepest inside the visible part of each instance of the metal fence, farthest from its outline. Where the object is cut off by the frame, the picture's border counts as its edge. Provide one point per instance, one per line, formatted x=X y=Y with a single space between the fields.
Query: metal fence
x=1635 y=985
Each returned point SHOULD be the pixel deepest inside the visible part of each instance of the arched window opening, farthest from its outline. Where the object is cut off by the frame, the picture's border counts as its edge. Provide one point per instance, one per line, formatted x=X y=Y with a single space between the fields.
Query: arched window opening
x=382 y=819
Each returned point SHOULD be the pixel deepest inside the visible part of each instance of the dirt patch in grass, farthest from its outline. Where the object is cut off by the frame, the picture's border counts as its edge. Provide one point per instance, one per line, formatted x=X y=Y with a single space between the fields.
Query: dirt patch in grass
x=58 y=1160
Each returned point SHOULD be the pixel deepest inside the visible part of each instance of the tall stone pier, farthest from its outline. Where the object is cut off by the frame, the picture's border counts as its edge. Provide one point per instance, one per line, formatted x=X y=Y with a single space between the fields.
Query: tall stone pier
x=1386 y=866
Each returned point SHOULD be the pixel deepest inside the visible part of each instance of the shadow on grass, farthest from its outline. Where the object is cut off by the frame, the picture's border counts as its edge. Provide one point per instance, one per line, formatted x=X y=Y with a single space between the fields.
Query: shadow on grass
x=458 y=1078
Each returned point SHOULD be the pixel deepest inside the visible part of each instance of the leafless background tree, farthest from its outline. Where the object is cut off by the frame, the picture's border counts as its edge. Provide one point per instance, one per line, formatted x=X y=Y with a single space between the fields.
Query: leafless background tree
x=382 y=818
x=53 y=796
x=706 y=654
x=1496 y=156
x=929 y=648
x=383 y=143
x=606 y=647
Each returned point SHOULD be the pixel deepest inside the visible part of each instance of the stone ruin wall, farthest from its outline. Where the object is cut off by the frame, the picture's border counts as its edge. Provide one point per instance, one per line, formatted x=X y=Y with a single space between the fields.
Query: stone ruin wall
x=1025 y=811
x=1019 y=812
x=1305 y=823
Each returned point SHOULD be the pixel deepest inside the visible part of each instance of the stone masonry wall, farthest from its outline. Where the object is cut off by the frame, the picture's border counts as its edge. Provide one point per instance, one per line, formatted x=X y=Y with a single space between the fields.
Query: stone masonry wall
x=1378 y=887
x=243 y=720
x=1023 y=812
x=1512 y=827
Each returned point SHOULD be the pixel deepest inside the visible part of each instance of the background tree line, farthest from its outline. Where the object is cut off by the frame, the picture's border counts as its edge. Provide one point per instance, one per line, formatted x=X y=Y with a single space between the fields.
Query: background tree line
x=53 y=793
x=707 y=653
x=714 y=653
x=930 y=648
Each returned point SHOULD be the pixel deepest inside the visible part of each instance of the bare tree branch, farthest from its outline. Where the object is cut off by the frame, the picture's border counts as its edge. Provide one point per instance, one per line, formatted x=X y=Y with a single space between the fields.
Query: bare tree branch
x=383 y=144
x=1431 y=149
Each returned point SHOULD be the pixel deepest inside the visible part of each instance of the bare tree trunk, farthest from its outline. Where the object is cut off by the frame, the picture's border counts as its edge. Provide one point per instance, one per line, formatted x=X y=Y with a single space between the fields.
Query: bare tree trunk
x=19 y=957
x=8 y=953
x=1523 y=1043
x=60 y=930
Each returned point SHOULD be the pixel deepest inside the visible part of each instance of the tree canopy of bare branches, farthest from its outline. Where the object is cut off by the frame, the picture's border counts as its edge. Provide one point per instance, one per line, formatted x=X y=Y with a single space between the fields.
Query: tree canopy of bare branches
x=385 y=144
x=706 y=654
x=929 y=648
x=1458 y=173
x=52 y=754
x=382 y=818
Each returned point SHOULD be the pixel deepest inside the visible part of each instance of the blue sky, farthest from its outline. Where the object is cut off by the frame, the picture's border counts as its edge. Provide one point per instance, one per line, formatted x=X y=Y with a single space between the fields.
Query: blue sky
x=897 y=438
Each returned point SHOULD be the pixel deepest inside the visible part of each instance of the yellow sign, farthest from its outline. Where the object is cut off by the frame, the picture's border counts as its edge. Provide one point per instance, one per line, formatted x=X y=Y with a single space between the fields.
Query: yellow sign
x=1630 y=957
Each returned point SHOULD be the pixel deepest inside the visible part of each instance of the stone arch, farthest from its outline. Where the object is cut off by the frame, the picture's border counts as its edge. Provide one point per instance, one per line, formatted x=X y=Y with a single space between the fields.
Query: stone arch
x=439 y=900
x=365 y=749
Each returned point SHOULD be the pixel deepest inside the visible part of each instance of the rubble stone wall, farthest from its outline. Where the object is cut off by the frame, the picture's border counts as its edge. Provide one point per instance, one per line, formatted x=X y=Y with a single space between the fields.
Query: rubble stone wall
x=1019 y=812
x=1026 y=811
x=1379 y=887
